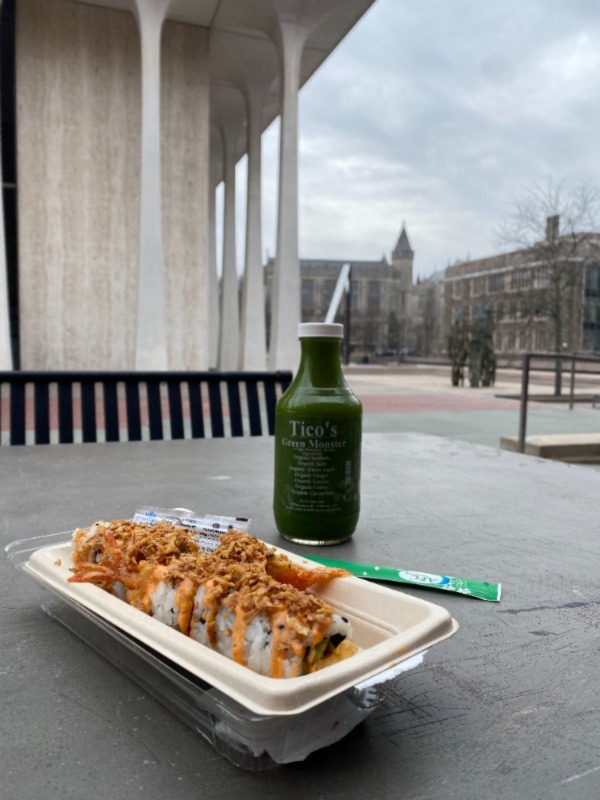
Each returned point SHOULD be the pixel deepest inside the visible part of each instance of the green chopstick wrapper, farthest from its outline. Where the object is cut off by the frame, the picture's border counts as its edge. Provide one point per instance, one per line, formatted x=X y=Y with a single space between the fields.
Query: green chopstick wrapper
x=482 y=590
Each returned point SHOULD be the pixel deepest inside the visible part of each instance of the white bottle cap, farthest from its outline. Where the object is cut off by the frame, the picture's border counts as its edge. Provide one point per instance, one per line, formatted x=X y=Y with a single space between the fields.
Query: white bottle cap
x=331 y=330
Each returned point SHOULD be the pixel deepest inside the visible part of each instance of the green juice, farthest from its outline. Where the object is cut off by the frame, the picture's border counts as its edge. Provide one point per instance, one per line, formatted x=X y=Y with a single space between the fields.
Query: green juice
x=318 y=428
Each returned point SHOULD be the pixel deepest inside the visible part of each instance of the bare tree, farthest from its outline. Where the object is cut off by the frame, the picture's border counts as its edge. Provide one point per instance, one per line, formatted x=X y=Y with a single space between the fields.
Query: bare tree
x=556 y=224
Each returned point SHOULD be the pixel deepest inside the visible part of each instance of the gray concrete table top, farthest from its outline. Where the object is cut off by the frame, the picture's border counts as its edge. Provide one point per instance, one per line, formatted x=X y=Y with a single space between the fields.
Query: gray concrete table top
x=509 y=707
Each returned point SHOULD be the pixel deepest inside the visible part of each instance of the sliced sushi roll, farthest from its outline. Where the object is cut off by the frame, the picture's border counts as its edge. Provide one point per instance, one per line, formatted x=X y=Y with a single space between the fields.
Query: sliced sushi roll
x=165 y=593
x=112 y=554
x=128 y=544
x=274 y=630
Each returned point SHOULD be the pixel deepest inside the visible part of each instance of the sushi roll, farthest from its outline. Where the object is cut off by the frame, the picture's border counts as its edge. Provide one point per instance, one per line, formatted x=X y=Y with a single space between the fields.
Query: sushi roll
x=128 y=543
x=274 y=630
x=244 y=600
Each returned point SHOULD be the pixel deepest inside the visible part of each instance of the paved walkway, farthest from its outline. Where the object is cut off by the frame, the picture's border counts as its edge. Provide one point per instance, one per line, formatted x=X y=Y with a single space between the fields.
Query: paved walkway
x=421 y=399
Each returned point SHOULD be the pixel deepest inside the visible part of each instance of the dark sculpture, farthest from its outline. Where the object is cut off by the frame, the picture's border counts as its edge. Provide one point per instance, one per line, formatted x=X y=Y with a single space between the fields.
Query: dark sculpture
x=473 y=343
x=458 y=349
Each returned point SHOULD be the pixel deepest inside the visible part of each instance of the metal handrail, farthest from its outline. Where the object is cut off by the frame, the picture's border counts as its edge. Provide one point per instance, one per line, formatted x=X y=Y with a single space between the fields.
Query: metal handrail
x=527 y=358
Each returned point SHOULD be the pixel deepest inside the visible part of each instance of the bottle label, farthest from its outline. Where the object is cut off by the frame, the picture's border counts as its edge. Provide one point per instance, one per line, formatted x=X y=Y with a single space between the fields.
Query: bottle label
x=318 y=464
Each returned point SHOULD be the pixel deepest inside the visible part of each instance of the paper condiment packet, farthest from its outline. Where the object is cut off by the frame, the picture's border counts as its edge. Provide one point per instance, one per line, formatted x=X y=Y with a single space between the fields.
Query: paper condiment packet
x=206 y=528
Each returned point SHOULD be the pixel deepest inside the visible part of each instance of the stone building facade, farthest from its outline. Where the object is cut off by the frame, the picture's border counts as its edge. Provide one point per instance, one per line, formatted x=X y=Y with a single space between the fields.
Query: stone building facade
x=515 y=289
x=425 y=316
x=380 y=294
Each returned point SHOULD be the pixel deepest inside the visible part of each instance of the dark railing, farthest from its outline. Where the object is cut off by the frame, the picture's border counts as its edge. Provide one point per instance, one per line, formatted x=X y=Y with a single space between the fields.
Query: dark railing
x=559 y=359
x=50 y=406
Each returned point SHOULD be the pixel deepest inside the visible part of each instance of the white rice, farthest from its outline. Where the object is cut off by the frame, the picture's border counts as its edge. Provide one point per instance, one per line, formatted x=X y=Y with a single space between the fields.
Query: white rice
x=339 y=625
x=197 y=625
x=257 y=640
x=164 y=604
x=257 y=645
x=224 y=620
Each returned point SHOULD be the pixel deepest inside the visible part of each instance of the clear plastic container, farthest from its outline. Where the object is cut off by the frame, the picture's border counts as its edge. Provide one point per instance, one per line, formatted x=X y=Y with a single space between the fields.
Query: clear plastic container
x=248 y=739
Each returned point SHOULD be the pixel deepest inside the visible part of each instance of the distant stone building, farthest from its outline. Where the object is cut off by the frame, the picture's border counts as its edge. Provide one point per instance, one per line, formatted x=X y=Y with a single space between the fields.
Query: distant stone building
x=379 y=296
x=425 y=315
x=514 y=289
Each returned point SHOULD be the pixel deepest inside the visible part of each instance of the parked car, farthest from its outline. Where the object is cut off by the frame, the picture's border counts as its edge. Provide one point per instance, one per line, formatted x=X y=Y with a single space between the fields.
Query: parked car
x=386 y=353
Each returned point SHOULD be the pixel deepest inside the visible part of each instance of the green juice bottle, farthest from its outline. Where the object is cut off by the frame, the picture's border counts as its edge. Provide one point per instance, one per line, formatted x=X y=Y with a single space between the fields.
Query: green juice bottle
x=318 y=428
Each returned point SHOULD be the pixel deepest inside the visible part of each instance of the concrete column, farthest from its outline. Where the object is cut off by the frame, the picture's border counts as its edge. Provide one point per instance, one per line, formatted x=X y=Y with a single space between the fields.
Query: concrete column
x=151 y=334
x=213 y=282
x=229 y=322
x=215 y=176
x=284 y=351
x=5 y=349
x=253 y=343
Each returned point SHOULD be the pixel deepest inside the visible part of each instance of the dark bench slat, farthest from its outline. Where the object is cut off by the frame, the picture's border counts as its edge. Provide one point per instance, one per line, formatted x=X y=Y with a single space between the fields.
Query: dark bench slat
x=235 y=408
x=111 y=411
x=65 y=411
x=154 y=409
x=41 y=421
x=17 y=414
x=132 y=405
x=88 y=411
x=175 y=409
x=270 y=402
x=216 y=409
x=253 y=407
x=196 y=410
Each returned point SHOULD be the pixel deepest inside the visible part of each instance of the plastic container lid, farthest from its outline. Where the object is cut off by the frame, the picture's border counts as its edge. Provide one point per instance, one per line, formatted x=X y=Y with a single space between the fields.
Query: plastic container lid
x=331 y=330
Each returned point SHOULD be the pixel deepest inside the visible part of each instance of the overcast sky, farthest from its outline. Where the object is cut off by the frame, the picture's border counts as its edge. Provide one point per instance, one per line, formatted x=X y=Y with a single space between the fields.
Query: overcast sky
x=439 y=113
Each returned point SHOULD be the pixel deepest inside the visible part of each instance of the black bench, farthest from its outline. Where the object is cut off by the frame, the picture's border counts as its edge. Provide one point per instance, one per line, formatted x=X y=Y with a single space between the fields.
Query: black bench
x=127 y=405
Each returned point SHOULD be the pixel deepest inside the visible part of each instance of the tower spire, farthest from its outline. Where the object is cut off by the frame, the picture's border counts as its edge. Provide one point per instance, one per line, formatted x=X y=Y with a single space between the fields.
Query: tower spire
x=402 y=250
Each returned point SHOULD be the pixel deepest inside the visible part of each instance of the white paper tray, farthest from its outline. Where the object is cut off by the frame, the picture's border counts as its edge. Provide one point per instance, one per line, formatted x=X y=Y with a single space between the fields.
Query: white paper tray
x=389 y=627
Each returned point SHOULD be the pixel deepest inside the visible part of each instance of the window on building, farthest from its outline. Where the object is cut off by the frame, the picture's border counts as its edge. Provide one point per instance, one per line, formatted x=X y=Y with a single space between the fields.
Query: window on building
x=519 y=279
x=457 y=289
x=478 y=285
x=522 y=340
x=512 y=340
x=592 y=281
x=590 y=312
x=540 y=339
x=354 y=295
x=373 y=303
x=308 y=295
x=542 y=279
x=496 y=282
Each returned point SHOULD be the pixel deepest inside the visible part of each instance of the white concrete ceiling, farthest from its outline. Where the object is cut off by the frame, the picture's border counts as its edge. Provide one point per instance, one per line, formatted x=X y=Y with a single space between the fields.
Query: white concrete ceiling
x=242 y=45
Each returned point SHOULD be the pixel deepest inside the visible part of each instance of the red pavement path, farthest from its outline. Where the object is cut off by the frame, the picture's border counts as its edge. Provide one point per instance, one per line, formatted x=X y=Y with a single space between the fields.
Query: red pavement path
x=427 y=402
x=417 y=402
